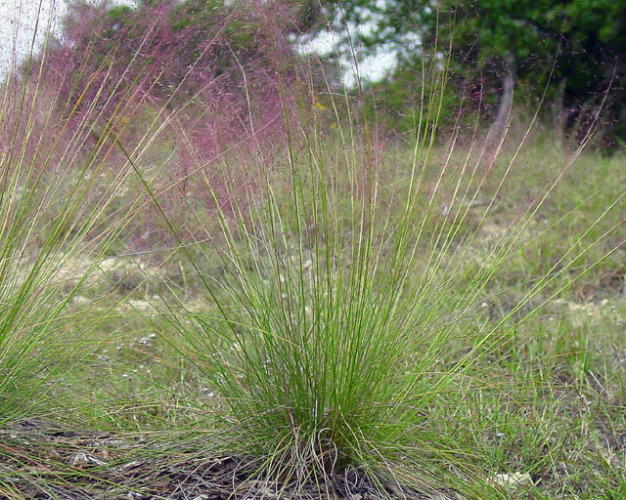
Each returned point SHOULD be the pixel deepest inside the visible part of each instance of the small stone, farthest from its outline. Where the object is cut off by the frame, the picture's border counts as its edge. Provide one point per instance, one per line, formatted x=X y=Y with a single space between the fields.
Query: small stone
x=85 y=458
x=513 y=480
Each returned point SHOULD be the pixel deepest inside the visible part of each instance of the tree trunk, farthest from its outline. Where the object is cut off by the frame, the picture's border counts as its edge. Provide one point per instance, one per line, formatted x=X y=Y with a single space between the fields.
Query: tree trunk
x=498 y=129
x=560 y=113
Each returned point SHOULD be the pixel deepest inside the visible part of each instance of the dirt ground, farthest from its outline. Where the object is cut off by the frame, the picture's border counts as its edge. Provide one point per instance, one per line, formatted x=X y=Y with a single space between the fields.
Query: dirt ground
x=42 y=460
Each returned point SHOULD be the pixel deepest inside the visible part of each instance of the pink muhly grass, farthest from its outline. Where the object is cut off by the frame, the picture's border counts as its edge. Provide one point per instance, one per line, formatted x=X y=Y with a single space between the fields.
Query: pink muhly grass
x=214 y=84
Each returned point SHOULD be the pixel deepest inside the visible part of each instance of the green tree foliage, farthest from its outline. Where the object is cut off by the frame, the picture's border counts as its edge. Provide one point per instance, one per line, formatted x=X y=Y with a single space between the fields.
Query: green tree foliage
x=574 y=50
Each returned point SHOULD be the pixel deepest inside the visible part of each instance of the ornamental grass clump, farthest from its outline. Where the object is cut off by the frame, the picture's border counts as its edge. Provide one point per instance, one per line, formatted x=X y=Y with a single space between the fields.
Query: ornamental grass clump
x=62 y=211
x=350 y=303
x=172 y=81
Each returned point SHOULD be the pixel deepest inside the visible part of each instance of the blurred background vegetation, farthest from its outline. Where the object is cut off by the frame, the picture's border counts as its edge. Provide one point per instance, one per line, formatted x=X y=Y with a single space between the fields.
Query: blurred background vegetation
x=566 y=54
x=560 y=56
